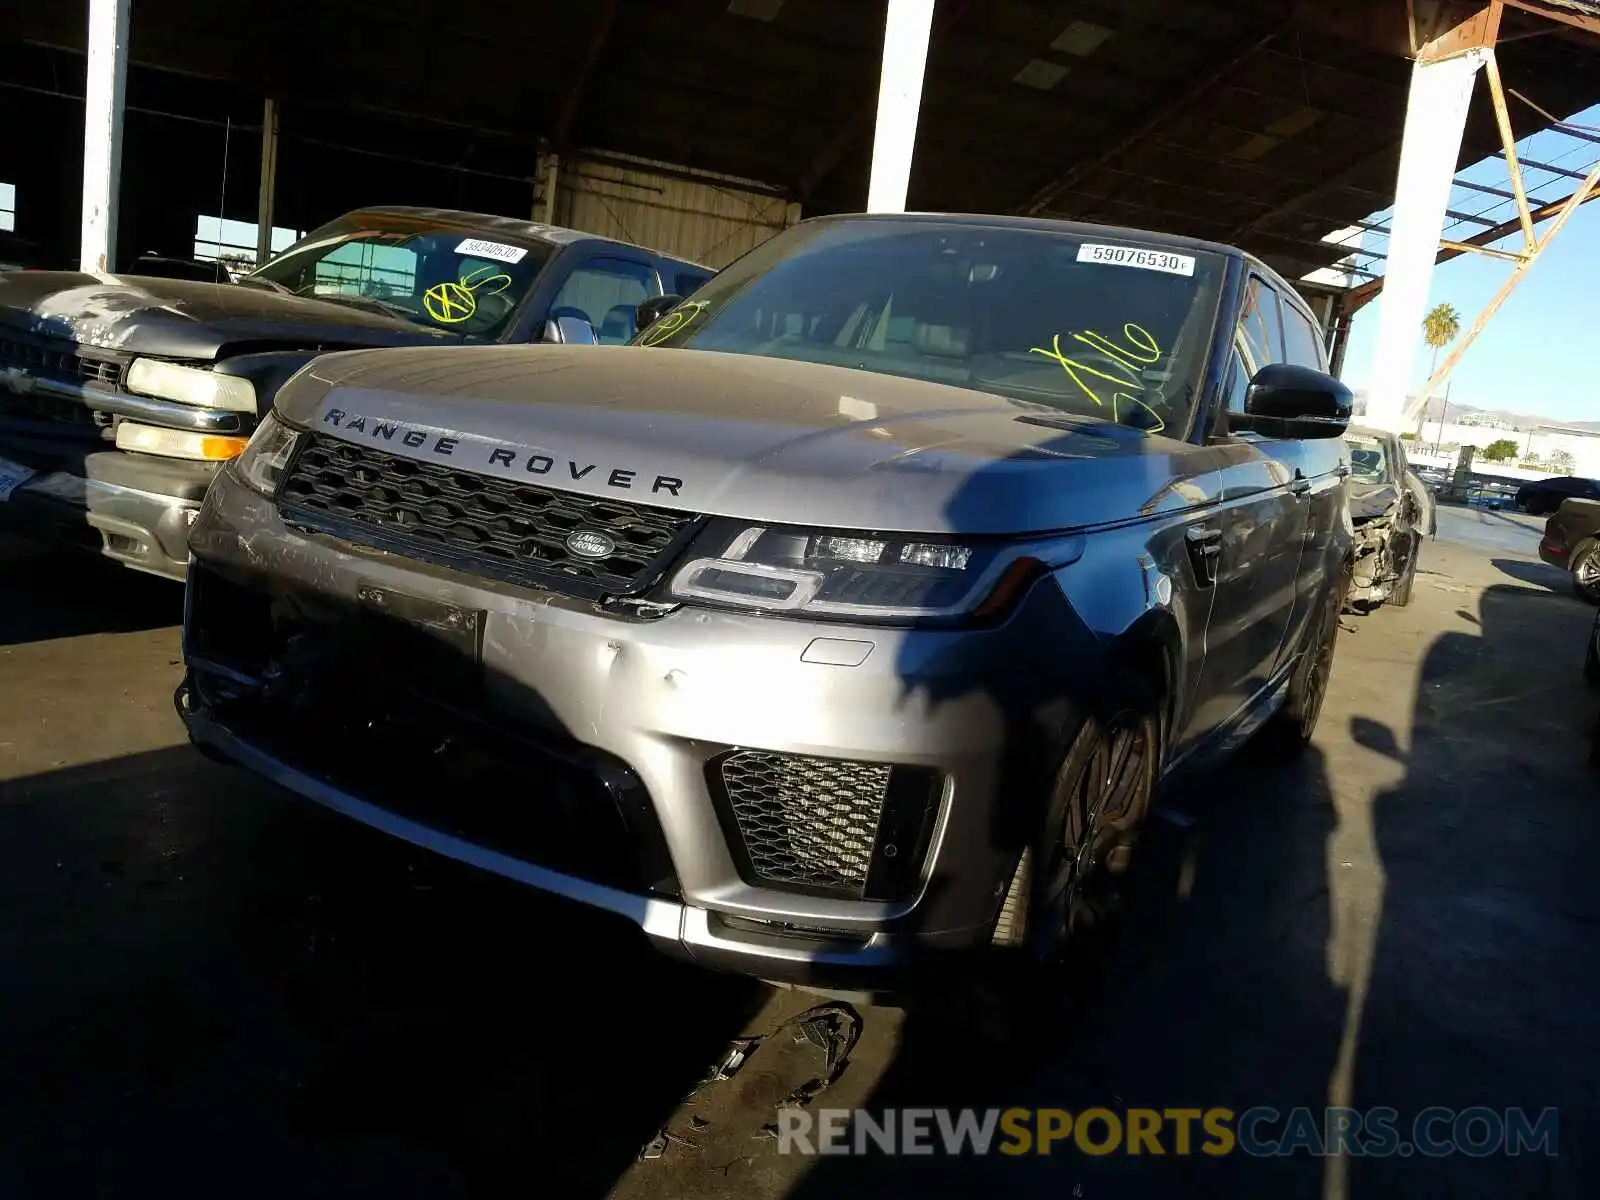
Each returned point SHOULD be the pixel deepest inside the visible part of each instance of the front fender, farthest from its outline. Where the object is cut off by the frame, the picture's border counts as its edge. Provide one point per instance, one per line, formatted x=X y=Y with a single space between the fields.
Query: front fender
x=1135 y=591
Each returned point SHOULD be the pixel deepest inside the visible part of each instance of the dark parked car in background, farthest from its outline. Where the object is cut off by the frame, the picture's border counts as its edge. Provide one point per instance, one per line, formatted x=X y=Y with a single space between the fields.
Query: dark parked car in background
x=1572 y=542
x=120 y=396
x=1391 y=512
x=849 y=617
x=1540 y=496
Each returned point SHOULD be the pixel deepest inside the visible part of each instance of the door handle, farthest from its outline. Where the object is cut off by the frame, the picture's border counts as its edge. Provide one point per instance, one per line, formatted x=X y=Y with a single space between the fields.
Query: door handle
x=1205 y=551
x=1299 y=485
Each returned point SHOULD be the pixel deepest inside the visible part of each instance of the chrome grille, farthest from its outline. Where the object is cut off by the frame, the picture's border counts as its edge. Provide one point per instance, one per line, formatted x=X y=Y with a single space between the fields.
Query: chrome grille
x=58 y=358
x=476 y=523
x=805 y=822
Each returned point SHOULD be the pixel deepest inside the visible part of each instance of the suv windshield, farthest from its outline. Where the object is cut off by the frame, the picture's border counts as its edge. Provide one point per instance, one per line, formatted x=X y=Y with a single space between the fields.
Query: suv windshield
x=451 y=278
x=1367 y=461
x=1105 y=327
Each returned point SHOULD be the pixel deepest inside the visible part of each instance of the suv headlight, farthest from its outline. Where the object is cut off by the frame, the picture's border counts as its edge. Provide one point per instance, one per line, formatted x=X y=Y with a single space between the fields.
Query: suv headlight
x=190 y=385
x=262 y=464
x=873 y=577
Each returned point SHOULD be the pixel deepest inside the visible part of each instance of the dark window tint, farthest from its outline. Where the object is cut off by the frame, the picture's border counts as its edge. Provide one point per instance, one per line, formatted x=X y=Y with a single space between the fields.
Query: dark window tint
x=689 y=282
x=604 y=292
x=1302 y=343
x=1261 y=325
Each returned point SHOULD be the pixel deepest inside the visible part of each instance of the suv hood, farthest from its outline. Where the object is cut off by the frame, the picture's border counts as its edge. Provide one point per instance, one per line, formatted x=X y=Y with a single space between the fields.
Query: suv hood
x=179 y=318
x=764 y=439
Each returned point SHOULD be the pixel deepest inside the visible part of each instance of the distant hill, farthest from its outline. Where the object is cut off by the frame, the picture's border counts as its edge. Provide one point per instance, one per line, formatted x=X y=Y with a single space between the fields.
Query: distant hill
x=1517 y=420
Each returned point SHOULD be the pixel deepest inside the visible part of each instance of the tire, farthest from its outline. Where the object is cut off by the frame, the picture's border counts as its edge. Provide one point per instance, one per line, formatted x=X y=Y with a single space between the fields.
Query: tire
x=1288 y=732
x=1067 y=882
x=1585 y=568
x=1401 y=595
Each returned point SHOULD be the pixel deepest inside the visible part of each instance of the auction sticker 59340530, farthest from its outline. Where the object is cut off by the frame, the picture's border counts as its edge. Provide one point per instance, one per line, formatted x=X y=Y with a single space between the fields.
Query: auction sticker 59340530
x=1133 y=256
x=499 y=251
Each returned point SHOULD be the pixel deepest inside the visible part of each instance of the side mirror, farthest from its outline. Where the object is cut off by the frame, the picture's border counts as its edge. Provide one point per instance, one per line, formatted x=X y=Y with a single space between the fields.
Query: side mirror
x=570 y=331
x=1289 y=401
x=648 y=312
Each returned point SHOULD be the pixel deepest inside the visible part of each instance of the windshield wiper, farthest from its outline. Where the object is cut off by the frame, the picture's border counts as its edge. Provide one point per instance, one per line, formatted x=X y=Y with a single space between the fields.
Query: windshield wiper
x=263 y=281
x=371 y=302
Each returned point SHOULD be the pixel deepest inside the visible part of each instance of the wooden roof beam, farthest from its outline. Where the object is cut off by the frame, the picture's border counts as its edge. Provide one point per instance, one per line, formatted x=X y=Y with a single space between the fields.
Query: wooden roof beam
x=561 y=130
x=1163 y=111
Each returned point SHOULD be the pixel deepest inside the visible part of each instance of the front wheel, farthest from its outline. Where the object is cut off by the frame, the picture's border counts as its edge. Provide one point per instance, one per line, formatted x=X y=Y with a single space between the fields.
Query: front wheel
x=1401 y=595
x=1586 y=571
x=1068 y=880
x=1289 y=730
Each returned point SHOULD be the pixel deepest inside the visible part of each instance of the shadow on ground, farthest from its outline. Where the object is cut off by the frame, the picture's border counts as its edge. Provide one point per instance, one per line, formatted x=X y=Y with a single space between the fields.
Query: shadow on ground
x=217 y=975
x=1539 y=574
x=1414 y=929
x=57 y=594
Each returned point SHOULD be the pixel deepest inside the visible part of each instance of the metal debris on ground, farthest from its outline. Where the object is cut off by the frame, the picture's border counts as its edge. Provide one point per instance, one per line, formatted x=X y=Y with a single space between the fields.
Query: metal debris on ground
x=657 y=1146
x=833 y=1028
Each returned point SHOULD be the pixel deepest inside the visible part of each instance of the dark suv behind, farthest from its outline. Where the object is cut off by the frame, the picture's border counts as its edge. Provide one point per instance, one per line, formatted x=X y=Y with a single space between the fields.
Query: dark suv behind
x=121 y=395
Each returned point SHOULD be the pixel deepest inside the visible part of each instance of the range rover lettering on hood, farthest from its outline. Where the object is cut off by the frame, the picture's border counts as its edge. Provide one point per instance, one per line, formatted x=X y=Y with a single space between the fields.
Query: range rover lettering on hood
x=490 y=457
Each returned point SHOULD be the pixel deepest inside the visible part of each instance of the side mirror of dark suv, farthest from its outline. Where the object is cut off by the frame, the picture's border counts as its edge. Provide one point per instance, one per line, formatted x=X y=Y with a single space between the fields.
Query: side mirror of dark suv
x=648 y=312
x=1290 y=401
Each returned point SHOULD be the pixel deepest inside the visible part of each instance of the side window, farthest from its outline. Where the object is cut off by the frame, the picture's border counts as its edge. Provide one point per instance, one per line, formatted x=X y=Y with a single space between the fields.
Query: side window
x=1302 y=346
x=605 y=292
x=689 y=282
x=1260 y=324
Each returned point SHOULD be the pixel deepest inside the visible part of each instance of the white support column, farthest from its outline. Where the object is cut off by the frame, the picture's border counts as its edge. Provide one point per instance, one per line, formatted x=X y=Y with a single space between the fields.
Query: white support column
x=905 y=58
x=1436 y=117
x=267 y=196
x=102 y=133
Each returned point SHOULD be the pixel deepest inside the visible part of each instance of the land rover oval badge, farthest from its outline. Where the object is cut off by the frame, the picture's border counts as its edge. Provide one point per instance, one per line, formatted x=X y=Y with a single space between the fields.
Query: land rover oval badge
x=590 y=543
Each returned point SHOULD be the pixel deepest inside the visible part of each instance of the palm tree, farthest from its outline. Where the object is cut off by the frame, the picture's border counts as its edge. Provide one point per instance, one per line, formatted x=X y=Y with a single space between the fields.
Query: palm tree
x=1439 y=329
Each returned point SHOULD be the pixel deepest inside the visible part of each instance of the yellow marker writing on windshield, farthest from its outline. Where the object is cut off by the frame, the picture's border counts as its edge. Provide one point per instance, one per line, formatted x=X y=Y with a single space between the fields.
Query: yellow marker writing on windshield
x=480 y=287
x=1142 y=350
x=449 y=303
x=672 y=322
x=452 y=303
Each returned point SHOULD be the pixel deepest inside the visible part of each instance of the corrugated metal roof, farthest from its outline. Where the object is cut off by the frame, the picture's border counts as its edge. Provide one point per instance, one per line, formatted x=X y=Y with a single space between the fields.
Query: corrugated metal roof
x=1264 y=123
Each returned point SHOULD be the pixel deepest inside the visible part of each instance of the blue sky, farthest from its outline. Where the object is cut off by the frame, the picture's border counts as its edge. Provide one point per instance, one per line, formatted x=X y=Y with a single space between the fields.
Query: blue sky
x=1536 y=356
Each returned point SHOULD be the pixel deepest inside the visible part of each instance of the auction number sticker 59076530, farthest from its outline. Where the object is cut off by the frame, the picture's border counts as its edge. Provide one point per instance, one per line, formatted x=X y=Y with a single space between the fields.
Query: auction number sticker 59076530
x=1133 y=256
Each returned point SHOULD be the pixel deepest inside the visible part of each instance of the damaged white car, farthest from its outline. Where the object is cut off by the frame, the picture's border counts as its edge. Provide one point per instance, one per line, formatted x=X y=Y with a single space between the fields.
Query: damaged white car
x=1391 y=511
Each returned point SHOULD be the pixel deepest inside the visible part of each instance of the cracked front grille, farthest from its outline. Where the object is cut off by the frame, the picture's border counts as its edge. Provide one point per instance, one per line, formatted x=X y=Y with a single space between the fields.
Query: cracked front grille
x=806 y=822
x=477 y=523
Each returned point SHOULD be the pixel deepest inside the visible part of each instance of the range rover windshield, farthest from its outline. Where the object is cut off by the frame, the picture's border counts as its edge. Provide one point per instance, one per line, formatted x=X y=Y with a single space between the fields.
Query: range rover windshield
x=466 y=281
x=1109 y=328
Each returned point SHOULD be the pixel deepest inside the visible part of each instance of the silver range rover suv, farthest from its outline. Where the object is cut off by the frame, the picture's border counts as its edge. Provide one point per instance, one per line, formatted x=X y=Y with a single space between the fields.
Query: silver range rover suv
x=849 y=616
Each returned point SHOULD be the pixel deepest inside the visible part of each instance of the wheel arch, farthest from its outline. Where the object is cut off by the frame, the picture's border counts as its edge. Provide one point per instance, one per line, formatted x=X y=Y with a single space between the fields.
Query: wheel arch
x=1151 y=651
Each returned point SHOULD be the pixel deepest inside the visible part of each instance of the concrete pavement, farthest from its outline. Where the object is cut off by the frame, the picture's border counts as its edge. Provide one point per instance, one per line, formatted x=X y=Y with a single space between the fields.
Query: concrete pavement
x=212 y=988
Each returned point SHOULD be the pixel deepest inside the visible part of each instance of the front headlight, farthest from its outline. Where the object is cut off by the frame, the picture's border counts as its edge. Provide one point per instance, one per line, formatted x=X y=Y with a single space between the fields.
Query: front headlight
x=190 y=385
x=877 y=577
x=264 y=460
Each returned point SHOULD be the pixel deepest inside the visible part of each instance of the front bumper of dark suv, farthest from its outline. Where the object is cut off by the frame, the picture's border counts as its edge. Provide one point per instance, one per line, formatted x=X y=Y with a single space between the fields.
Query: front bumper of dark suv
x=795 y=800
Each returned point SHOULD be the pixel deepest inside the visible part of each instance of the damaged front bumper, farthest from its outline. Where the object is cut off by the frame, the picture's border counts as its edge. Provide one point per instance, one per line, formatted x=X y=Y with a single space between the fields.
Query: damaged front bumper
x=132 y=508
x=802 y=802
